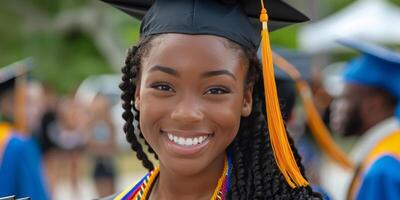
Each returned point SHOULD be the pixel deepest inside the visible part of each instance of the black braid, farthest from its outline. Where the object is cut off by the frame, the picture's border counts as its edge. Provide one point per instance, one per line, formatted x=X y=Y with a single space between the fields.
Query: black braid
x=255 y=174
x=130 y=73
x=263 y=178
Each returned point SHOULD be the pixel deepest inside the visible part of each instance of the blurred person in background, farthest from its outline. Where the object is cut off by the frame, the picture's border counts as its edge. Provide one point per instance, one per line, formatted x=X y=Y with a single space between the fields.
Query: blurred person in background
x=63 y=140
x=295 y=118
x=101 y=146
x=21 y=172
x=369 y=109
x=71 y=138
x=47 y=133
x=295 y=80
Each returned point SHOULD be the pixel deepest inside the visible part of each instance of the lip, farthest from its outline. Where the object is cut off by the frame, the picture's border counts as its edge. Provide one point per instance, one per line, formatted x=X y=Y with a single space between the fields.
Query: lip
x=185 y=150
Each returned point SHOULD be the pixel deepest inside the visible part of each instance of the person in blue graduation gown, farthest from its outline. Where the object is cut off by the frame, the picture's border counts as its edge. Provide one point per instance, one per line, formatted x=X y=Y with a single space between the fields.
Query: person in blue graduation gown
x=21 y=172
x=21 y=169
x=369 y=108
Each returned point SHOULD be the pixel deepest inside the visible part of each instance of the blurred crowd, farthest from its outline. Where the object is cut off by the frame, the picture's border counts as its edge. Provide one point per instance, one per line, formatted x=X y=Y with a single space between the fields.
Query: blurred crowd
x=66 y=130
x=69 y=134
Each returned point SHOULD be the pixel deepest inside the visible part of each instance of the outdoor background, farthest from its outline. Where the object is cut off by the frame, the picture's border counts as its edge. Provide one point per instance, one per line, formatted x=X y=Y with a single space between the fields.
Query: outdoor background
x=71 y=41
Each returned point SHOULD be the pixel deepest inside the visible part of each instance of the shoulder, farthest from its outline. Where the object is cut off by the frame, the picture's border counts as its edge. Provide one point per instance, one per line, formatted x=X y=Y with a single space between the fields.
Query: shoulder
x=19 y=142
x=381 y=179
x=20 y=149
x=15 y=143
x=384 y=167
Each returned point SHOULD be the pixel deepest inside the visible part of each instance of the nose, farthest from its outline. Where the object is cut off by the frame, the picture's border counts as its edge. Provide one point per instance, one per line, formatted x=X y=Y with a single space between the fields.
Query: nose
x=188 y=110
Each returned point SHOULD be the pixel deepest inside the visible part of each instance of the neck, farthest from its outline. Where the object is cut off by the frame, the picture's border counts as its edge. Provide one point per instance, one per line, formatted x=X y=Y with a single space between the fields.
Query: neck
x=172 y=185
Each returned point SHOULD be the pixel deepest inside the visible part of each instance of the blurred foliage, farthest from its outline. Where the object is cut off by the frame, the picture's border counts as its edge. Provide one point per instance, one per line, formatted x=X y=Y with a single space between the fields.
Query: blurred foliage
x=286 y=37
x=64 y=59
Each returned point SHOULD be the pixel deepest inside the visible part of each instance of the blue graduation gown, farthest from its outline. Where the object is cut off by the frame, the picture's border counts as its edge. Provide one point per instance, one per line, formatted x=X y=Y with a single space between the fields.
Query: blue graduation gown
x=382 y=180
x=21 y=169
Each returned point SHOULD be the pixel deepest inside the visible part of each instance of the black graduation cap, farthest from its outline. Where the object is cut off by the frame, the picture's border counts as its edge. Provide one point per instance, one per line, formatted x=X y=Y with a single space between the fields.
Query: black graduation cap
x=226 y=18
x=10 y=73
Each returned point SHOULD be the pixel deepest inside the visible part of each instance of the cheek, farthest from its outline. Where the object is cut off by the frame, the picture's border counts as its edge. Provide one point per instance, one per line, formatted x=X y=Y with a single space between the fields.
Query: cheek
x=152 y=110
x=227 y=117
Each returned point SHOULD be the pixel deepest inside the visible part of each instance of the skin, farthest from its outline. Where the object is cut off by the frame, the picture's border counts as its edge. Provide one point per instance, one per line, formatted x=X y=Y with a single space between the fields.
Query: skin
x=7 y=104
x=185 y=82
x=358 y=109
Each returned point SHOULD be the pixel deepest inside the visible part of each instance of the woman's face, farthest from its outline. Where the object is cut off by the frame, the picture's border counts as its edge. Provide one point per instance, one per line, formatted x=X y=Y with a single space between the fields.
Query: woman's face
x=191 y=96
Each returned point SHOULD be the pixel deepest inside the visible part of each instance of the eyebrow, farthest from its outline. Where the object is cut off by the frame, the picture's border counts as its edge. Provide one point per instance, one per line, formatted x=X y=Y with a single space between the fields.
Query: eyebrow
x=219 y=73
x=207 y=74
x=164 y=69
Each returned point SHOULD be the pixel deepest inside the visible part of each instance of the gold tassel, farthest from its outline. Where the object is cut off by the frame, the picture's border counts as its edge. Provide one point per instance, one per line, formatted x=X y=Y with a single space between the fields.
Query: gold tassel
x=279 y=139
x=317 y=126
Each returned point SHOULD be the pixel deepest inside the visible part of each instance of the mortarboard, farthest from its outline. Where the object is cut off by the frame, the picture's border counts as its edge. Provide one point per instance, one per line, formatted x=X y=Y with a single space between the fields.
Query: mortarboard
x=376 y=67
x=239 y=21
x=10 y=73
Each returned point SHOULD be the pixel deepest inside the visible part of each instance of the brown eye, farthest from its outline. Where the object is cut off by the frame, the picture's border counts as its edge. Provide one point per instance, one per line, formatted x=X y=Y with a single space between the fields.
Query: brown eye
x=217 y=90
x=162 y=87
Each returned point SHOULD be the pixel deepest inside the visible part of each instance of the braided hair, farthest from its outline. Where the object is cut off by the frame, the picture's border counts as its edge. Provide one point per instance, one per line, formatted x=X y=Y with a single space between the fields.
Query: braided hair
x=254 y=175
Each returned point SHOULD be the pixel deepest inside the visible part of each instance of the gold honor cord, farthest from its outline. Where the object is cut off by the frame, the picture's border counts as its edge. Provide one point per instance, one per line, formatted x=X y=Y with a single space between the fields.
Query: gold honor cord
x=279 y=140
x=317 y=126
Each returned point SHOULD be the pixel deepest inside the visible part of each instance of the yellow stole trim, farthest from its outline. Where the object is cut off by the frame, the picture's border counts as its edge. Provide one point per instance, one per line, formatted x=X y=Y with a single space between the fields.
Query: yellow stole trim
x=388 y=145
x=5 y=132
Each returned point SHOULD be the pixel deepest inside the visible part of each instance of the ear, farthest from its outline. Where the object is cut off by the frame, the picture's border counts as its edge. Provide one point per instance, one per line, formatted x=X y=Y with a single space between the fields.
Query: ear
x=247 y=101
x=137 y=97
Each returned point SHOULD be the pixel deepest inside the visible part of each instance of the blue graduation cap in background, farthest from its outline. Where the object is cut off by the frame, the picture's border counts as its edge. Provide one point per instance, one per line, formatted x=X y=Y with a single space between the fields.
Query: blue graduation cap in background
x=376 y=67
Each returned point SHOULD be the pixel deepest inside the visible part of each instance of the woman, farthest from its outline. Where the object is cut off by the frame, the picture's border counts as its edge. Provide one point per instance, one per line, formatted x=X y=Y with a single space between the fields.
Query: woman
x=194 y=82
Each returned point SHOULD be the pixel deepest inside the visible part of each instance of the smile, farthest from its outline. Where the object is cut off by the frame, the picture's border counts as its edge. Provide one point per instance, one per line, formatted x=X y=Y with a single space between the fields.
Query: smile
x=187 y=141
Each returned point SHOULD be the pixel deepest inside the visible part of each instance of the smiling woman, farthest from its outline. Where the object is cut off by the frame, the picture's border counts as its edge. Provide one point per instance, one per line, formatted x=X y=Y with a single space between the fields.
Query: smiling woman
x=195 y=83
x=184 y=101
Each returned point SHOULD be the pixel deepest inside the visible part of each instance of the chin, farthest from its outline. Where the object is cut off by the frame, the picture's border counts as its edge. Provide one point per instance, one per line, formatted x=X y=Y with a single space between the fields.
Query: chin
x=184 y=167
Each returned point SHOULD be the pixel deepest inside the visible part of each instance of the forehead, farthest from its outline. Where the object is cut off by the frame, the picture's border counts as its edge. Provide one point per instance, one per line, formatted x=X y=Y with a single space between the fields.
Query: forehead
x=194 y=50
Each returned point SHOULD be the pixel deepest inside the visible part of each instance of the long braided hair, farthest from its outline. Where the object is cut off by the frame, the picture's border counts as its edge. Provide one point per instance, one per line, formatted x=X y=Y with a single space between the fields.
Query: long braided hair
x=254 y=175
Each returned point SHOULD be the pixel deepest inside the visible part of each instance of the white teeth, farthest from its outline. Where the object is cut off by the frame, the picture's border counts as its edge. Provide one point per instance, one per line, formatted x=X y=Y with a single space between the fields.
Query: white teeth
x=181 y=141
x=187 y=141
x=170 y=137
x=201 y=139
